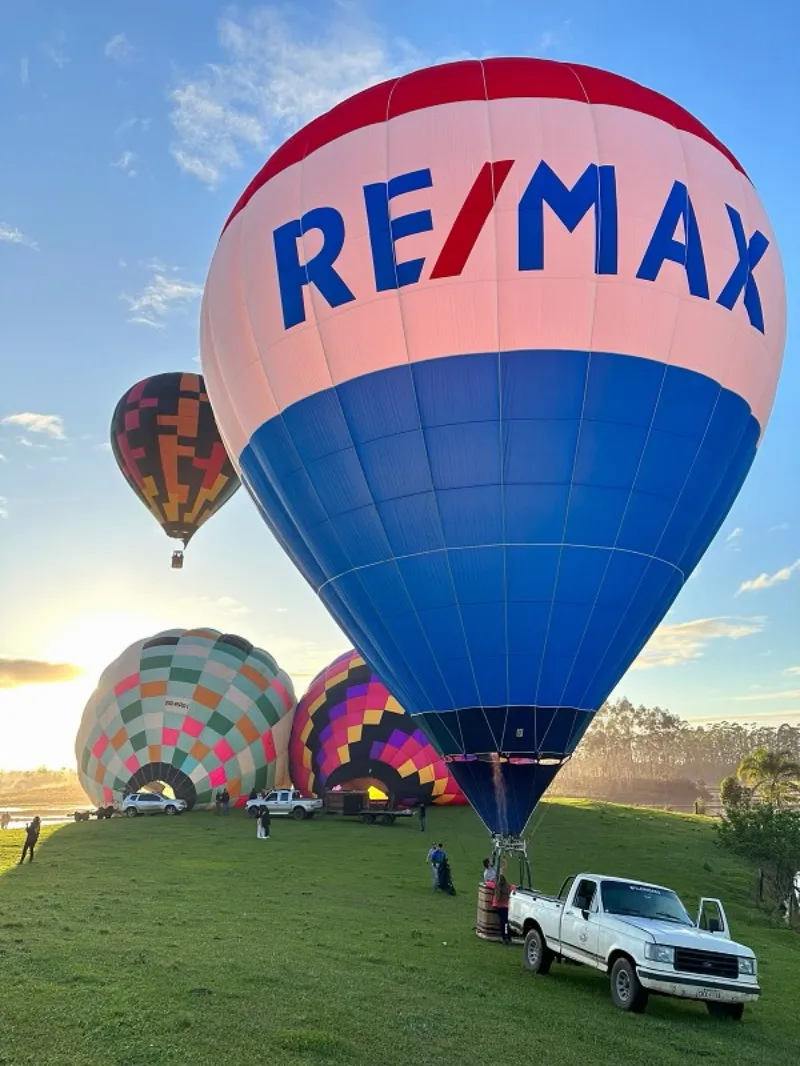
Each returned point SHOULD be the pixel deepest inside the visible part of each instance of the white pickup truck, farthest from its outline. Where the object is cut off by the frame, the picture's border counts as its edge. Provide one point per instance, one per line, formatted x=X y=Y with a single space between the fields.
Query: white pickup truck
x=641 y=936
x=284 y=801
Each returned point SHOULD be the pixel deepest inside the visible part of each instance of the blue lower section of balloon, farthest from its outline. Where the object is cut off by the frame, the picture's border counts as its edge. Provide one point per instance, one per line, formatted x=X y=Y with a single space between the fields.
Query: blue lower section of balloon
x=500 y=534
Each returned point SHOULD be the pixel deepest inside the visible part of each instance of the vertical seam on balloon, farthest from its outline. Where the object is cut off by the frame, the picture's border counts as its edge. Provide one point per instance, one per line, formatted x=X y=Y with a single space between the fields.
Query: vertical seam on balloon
x=500 y=434
x=442 y=722
x=647 y=438
x=427 y=456
x=666 y=525
x=612 y=548
x=595 y=285
x=277 y=489
x=667 y=364
x=391 y=560
x=574 y=464
x=242 y=300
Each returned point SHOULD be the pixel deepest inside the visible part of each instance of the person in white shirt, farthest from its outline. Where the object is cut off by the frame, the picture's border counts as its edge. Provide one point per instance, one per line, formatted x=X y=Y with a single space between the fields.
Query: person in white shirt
x=489 y=872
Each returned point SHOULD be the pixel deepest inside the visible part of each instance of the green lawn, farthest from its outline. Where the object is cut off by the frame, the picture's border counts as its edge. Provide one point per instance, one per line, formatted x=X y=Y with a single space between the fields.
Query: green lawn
x=189 y=942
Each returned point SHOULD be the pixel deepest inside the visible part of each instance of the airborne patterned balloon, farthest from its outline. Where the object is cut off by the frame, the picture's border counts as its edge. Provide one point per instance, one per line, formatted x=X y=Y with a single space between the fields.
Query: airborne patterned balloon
x=193 y=709
x=167 y=445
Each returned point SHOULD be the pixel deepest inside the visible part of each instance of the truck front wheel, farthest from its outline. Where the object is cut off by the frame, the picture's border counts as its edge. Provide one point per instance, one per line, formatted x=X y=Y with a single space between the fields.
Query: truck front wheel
x=726 y=1010
x=627 y=991
x=536 y=955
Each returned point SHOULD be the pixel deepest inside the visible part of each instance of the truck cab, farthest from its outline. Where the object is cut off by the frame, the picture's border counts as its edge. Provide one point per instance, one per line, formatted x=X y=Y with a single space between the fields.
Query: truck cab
x=642 y=937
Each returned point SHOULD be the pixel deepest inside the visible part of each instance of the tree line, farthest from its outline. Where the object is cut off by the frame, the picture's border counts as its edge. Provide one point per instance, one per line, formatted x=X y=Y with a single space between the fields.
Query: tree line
x=650 y=755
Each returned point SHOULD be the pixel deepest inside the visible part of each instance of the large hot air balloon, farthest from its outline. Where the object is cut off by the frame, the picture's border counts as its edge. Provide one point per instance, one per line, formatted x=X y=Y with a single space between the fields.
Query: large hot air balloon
x=193 y=709
x=349 y=730
x=167 y=445
x=493 y=346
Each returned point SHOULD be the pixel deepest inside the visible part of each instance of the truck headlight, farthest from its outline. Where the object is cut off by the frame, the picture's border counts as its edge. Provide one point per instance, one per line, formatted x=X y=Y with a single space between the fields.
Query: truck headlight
x=659 y=953
x=747 y=966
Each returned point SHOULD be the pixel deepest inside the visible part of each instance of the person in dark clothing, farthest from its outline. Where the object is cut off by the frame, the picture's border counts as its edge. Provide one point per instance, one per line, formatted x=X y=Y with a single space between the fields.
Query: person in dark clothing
x=446 y=877
x=263 y=825
x=422 y=816
x=31 y=837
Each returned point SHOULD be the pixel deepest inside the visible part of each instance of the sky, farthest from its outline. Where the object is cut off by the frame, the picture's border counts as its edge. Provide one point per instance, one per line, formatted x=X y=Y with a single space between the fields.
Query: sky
x=129 y=131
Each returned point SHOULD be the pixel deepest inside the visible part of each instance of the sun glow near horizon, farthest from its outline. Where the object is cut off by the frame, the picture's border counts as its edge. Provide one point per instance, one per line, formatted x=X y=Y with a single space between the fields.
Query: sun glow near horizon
x=94 y=640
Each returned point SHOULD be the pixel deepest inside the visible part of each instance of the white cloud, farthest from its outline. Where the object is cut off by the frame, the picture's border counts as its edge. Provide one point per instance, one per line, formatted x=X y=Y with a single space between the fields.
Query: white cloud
x=55 y=50
x=680 y=642
x=51 y=425
x=140 y=320
x=12 y=235
x=161 y=297
x=158 y=266
x=794 y=670
x=125 y=163
x=3 y=507
x=273 y=78
x=547 y=40
x=118 y=48
x=779 y=527
x=25 y=442
x=132 y=123
x=3 y=458
x=733 y=538
x=768 y=581
x=206 y=604
x=25 y=70
x=787 y=694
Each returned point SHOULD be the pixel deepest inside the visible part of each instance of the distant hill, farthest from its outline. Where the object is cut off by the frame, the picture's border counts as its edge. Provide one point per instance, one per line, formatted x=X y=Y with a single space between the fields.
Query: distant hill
x=41 y=787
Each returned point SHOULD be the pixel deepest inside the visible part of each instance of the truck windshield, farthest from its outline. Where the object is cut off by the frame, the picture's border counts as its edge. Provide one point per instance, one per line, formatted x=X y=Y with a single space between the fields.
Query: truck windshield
x=643 y=901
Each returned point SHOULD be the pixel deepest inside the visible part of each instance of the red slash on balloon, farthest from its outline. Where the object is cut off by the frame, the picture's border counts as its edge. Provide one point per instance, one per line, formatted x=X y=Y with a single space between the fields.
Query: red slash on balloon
x=471 y=218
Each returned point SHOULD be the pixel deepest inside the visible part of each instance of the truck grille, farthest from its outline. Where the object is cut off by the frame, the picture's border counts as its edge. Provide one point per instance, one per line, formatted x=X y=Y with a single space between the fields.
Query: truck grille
x=707 y=963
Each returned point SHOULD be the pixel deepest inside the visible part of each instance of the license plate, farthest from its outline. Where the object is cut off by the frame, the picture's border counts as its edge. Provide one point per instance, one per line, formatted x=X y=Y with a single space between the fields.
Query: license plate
x=709 y=993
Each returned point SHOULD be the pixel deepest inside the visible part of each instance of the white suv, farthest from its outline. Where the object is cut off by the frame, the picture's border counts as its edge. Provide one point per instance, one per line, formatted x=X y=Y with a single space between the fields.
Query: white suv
x=151 y=803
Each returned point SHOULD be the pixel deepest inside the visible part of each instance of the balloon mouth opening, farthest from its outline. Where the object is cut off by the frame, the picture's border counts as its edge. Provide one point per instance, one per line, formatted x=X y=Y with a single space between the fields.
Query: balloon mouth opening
x=178 y=532
x=163 y=778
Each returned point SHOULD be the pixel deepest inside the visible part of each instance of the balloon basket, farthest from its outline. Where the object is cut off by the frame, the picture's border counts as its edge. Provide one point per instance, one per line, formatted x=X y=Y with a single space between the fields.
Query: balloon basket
x=177 y=560
x=487 y=923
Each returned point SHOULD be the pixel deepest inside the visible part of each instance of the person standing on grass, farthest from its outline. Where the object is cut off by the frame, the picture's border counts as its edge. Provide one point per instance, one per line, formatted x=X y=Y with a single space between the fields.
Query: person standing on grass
x=435 y=856
x=263 y=825
x=422 y=816
x=445 y=876
x=226 y=798
x=31 y=837
x=500 y=901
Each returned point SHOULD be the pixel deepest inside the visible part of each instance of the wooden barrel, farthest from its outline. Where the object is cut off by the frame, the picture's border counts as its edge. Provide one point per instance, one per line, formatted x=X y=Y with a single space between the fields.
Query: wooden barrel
x=487 y=924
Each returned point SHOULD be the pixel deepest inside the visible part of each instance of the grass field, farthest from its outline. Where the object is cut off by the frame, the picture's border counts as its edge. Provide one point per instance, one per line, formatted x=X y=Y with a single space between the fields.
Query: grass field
x=187 y=942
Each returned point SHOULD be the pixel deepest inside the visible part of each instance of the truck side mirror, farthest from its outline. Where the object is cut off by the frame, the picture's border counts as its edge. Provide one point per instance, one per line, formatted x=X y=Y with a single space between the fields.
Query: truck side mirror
x=714 y=925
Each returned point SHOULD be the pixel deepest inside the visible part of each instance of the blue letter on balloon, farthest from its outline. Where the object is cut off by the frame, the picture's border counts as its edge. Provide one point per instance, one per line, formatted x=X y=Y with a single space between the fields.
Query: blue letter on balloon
x=293 y=275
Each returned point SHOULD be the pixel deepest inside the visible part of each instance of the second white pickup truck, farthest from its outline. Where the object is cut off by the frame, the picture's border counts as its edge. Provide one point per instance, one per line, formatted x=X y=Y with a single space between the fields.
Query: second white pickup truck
x=642 y=937
x=284 y=802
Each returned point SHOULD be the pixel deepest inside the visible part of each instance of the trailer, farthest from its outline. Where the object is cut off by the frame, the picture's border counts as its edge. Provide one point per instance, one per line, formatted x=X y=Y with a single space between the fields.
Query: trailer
x=357 y=804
